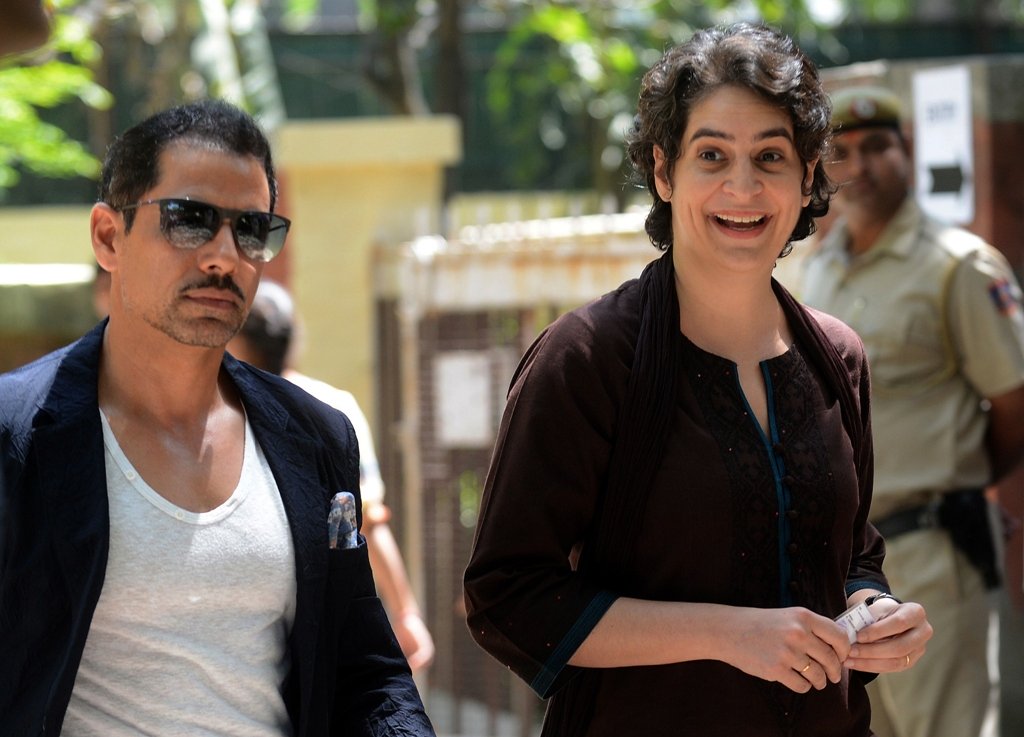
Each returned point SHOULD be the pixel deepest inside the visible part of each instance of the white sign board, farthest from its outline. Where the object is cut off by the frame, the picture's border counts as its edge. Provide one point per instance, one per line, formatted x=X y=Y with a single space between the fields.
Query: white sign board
x=464 y=402
x=944 y=143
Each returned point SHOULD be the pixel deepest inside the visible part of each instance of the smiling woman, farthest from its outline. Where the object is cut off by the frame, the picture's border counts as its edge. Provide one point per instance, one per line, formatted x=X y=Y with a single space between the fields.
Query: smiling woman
x=738 y=185
x=703 y=439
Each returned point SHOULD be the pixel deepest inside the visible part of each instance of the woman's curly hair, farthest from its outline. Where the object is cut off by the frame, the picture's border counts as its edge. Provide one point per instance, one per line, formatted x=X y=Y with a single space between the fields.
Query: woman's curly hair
x=756 y=57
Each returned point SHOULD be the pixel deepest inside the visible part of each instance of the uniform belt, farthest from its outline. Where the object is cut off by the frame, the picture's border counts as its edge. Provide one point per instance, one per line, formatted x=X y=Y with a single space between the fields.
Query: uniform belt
x=924 y=517
x=964 y=514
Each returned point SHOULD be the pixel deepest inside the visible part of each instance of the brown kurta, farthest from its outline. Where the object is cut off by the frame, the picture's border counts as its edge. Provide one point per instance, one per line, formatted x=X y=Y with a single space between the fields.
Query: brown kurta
x=734 y=517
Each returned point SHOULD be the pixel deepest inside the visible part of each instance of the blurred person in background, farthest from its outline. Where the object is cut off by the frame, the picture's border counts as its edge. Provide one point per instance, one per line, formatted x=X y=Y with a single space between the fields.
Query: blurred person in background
x=268 y=340
x=676 y=507
x=939 y=311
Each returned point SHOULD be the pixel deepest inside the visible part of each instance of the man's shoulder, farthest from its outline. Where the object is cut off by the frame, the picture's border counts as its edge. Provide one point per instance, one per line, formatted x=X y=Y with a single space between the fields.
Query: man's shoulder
x=828 y=244
x=265 y=392
x=25 y=382
x=294 y=428
x=953 y=243
x=961 y=262
x=326 y=393
x=24 y=390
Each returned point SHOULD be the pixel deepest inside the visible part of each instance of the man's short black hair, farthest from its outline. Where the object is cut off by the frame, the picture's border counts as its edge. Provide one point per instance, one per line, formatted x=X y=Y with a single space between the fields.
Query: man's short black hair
x=131 y=164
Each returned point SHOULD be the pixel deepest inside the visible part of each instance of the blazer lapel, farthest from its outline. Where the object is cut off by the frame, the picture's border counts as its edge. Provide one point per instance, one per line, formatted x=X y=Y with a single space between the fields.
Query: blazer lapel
x=70 y=458
x=293 y=457
x=68 y=445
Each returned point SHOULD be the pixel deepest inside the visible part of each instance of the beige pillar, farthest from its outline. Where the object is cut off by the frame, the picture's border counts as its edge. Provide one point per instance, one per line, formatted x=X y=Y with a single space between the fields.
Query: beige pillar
x=45 y=234
x=349 y=185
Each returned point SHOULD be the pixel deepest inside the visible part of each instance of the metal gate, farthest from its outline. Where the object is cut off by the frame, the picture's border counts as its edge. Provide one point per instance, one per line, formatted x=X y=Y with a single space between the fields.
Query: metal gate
x=454 y=318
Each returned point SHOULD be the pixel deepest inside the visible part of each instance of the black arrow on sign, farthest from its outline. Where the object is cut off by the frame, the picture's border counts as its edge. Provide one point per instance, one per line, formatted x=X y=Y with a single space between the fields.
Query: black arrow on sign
x=946 y=179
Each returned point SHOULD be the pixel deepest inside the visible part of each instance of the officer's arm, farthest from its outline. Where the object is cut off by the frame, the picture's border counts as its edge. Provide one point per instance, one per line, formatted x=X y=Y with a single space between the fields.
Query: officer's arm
x=1005 y=438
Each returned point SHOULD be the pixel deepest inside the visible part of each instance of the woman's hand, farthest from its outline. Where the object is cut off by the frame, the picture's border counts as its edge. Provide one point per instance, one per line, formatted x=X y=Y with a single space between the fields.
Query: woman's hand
x=794 y=646
x=894 y=642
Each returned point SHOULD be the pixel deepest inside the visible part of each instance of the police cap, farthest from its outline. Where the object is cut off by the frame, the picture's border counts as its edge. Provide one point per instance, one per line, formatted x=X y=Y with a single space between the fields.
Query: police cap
x=864 y=107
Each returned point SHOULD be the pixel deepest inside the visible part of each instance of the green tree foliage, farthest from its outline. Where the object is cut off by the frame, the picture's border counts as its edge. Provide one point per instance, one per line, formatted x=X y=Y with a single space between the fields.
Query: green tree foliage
x=43 y=80
x=573 y=67
x=181 y=50
x=390 y=65
x=565 y=78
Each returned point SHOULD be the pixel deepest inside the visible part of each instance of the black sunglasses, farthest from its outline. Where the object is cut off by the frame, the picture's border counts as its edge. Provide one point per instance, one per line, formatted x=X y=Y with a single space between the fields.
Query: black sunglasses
x=189 y=224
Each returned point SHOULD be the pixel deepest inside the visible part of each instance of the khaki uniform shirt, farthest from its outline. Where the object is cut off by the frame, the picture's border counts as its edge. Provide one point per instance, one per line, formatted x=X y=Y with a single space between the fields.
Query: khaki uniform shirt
x=940 y=314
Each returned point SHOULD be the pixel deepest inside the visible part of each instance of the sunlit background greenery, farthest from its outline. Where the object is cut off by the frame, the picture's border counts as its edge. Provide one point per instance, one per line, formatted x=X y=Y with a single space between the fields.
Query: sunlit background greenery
x=544 y=89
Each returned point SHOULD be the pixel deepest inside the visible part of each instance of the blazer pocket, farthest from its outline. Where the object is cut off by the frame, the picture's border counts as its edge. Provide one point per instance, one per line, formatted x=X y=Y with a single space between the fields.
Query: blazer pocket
x=349 y=575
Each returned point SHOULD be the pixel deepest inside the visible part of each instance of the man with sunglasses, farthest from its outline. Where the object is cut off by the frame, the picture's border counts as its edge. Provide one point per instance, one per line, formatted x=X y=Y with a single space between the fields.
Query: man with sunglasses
x=166 y=567
x=940 y=314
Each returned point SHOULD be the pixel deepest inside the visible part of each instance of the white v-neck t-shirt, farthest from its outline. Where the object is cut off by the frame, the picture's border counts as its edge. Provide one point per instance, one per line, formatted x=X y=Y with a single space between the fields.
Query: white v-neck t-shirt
x=189 y=634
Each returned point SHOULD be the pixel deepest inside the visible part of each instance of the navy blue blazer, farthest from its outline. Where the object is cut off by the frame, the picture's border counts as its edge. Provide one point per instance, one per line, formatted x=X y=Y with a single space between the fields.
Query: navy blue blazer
x=348 y=675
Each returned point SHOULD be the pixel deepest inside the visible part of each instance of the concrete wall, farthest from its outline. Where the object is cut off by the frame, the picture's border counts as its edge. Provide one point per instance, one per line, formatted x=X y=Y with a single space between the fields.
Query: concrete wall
x=37 y=235
x=350 y=186
x=43 y=307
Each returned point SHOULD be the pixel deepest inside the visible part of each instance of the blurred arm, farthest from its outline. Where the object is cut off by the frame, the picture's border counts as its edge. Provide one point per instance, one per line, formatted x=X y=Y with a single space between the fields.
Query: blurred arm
x=1006 y=432
x=394 y=588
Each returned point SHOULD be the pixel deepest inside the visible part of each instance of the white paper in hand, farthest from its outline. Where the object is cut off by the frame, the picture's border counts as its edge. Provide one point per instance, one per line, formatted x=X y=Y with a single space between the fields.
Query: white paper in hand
x=855 y=619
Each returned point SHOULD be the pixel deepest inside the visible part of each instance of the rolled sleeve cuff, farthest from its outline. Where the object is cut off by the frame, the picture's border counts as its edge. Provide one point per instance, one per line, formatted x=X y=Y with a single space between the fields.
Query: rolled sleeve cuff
x=854 y=586
x=553 y=674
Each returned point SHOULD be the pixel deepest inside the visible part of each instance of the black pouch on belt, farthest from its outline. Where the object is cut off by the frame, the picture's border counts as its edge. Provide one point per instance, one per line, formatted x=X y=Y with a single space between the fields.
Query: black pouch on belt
x=965 y=515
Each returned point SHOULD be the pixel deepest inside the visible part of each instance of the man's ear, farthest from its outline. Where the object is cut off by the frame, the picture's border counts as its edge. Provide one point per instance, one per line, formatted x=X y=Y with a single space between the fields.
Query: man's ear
x=661 y=180
x=104 y=226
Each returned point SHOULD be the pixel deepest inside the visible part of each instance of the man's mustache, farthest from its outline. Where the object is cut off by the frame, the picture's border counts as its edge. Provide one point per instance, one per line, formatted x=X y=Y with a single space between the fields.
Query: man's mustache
x=215 y=281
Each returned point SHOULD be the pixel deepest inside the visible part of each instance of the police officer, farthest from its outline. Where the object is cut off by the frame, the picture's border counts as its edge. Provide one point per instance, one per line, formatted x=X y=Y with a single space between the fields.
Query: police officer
x=940 y=314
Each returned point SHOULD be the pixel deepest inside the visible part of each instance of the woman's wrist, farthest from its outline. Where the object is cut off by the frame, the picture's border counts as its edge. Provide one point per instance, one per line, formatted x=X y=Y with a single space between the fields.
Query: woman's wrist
x=884 y=595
